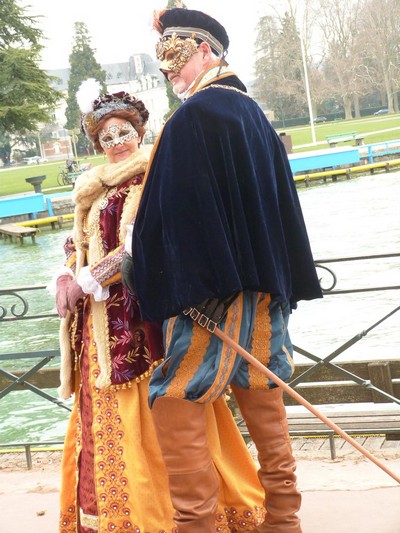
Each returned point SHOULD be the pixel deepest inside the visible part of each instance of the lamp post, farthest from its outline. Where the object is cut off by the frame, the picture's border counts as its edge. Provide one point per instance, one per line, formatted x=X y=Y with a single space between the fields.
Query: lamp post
x=310 y=111
x=67 y=143
x=74 y=139
x=40 y=145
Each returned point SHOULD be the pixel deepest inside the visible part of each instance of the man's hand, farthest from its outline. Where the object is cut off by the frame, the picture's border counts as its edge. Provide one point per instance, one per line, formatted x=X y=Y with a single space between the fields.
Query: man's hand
x=62 y=285
x=210 y=312
x=127 y=273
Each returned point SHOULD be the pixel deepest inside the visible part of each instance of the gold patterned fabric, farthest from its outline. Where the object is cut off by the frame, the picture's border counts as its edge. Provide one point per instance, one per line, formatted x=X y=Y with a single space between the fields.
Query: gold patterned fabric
x=123 y=484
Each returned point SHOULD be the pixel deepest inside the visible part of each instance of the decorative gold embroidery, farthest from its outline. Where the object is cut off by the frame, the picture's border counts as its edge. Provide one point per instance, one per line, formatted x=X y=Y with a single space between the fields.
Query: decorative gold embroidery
x=88 y=520
x=228 y=355
x=74 y=327
x=246 y=520
x=170 y=330
x=143 y=376
x=110 y=465
x=228 y=87
x=190 y=363
x=261 y=342
x=68 y=521
x=104 y=201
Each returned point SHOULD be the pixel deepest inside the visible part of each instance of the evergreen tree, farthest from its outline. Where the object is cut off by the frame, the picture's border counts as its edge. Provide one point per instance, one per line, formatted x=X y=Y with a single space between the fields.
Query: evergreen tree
x=17 y=28
x=83 y=66
x=26 y=97
x=267 y=59
x=279 y=75
x=176 y=3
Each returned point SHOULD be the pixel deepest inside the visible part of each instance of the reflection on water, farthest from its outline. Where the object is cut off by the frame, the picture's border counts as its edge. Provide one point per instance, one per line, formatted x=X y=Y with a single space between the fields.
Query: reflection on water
x=353 y=218
x=24 y=416
x=344 y=219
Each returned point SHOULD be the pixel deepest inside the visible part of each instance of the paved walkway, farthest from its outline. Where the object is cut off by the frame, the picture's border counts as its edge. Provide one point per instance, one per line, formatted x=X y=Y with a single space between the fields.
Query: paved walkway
x=349 y=494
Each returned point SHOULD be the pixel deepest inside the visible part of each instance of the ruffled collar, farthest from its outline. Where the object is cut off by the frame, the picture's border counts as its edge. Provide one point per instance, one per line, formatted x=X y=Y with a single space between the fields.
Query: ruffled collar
x=214 y=73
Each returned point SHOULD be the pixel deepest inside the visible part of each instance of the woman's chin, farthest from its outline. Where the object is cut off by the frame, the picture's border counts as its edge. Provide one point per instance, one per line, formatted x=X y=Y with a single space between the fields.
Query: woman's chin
x=121 y=156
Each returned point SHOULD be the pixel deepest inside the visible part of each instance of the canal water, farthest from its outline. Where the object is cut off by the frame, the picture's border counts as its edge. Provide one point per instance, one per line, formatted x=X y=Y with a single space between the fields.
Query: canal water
x=358 y=217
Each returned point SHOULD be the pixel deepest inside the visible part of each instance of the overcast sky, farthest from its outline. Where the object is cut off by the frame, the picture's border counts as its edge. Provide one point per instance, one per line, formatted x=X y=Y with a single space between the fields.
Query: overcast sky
x=122 y=28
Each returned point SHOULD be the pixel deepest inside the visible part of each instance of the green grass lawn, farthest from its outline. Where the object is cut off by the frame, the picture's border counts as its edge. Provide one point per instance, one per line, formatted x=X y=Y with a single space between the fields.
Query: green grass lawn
x=376 y=129
x=12 y=180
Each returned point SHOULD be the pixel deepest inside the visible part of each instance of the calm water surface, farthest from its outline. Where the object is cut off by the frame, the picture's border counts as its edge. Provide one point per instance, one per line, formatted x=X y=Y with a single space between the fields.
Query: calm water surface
x=344 y=219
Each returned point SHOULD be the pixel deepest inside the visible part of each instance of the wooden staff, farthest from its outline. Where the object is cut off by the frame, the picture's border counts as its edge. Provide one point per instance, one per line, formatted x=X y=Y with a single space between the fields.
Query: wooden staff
x=264 y=370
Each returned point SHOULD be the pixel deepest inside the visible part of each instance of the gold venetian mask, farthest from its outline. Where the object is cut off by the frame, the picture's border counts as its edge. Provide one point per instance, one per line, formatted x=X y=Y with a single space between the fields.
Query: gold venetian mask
x=174 y=52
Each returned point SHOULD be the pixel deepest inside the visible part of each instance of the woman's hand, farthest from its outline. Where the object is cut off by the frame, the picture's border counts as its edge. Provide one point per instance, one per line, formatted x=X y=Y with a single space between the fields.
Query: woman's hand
x=62 y=284
x=74 y=293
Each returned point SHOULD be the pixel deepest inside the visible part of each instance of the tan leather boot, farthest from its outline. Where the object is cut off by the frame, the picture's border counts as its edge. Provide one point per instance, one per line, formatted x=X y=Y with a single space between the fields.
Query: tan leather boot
x=193 y=483
x=265 y=417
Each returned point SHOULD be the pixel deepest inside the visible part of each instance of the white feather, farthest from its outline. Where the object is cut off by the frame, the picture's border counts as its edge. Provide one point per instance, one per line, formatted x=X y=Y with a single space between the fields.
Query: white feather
x=87 y=93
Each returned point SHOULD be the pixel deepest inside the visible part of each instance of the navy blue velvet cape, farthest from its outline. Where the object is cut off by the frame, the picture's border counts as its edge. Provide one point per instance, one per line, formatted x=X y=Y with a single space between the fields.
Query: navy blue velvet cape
x=219 y=211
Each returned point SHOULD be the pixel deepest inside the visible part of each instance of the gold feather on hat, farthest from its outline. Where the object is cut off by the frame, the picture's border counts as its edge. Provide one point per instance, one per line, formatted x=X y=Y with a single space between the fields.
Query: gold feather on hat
x=156 y=20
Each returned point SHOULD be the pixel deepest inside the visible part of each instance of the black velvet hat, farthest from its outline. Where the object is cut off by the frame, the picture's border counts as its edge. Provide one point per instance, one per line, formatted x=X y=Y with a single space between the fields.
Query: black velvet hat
x=186 y=22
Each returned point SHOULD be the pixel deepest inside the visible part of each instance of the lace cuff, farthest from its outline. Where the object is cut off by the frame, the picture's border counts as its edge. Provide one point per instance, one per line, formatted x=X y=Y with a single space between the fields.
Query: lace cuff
x=91 y=286
x=128 y=239
x=52 y=285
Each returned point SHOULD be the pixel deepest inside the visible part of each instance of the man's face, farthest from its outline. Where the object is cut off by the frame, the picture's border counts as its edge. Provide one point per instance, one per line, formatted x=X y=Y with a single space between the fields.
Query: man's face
x=181 y=61
x=174 y=52
x=181 y=81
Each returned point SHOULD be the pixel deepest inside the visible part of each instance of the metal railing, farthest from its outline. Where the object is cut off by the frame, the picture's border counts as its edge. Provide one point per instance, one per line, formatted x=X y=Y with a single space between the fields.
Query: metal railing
x=330 y=289
x=330 y=283
x=16 y=311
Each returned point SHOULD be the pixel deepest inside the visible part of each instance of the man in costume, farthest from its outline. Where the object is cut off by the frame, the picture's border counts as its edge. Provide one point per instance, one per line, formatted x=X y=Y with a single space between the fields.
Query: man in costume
x=219 y=238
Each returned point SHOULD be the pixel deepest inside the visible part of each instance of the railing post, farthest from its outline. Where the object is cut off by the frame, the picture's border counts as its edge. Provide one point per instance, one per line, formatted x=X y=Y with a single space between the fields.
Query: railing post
x=381 y=378
x=28 y=456
x=332 y=445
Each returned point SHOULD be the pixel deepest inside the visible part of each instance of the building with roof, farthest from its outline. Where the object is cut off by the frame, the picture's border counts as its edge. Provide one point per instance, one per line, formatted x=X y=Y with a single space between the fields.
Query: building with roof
x=139 y=76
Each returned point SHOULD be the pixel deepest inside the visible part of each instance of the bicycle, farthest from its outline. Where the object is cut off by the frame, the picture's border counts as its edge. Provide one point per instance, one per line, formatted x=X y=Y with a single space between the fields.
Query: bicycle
x=67 y=178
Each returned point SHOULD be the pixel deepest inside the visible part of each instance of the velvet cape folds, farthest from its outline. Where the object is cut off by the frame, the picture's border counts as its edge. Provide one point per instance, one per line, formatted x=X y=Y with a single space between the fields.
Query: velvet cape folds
x=219 y=211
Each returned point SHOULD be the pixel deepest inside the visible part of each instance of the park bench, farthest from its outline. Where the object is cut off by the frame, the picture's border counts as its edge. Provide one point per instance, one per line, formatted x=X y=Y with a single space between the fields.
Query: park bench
x=333 y=140
x=356 y=423
x=326 y=386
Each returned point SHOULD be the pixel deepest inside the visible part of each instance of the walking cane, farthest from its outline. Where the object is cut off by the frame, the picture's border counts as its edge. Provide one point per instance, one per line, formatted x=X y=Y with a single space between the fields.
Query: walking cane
x=264 y=370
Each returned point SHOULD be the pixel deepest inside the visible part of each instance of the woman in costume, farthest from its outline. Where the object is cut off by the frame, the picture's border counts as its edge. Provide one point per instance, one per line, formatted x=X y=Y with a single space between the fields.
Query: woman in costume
x=113 y=476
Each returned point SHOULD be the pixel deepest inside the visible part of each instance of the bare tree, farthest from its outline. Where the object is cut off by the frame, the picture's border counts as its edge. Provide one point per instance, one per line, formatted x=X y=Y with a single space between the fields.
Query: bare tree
x=352 y=50
x=381 y=19
x=343 y=65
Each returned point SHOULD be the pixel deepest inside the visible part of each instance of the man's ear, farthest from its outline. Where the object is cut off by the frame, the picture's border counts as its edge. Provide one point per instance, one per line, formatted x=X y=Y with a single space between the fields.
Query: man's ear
x=205 y=50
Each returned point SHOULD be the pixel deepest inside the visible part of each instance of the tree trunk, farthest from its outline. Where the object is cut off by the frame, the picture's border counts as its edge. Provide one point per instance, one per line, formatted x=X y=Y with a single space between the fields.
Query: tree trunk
x=347 y=107
x=396 y=102
x=357 y=113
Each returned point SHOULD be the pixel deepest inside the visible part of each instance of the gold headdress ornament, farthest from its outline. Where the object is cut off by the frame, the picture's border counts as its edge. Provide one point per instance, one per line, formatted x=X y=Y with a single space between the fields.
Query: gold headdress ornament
x=182 y=31
x=94 y=105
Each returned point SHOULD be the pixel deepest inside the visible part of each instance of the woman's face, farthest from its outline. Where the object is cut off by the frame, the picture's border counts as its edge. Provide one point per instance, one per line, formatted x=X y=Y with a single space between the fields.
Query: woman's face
x=118 y=138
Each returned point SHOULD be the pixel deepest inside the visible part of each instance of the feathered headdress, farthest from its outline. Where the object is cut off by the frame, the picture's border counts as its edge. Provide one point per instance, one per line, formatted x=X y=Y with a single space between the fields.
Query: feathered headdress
x=95 y=106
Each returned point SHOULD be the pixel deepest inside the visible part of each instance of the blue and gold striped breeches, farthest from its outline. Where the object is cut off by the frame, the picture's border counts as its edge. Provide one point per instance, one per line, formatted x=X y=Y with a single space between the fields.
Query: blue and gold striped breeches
x=199 y=367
